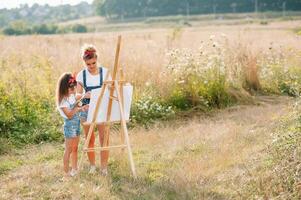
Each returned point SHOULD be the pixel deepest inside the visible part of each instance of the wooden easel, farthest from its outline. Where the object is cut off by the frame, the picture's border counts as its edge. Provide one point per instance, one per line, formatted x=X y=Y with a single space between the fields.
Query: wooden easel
x=113 y=85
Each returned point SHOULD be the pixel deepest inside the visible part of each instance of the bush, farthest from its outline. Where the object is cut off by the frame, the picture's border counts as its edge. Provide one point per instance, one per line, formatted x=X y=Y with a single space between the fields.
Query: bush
x=22 y=28
x=10 y=31
x=64 y=29
x=147 y=109
x=79 y=28
x=180 y=99
x=5 y=145
x=215 y=93
x=27 y=106
x=278 y=76
x=17 y=28
x=45 y=29
x=199 y=81
x=27 y=120
x=264 y=22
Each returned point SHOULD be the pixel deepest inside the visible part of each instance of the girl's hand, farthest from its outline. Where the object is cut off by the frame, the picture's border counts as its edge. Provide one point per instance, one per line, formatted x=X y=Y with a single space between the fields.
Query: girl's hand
x=87 y=95
x=77 y=108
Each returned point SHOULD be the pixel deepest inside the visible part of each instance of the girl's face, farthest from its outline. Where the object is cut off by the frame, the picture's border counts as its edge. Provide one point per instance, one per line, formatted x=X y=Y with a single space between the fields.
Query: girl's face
x=91 y=64
x=71 y=90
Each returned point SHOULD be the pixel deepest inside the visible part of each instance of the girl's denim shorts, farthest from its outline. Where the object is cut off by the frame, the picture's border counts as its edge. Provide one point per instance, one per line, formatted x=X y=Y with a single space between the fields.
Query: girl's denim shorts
x=72 y=127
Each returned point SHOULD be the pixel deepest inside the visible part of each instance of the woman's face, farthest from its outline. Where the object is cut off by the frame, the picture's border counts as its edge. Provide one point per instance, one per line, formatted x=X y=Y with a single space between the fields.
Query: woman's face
x=91 y=64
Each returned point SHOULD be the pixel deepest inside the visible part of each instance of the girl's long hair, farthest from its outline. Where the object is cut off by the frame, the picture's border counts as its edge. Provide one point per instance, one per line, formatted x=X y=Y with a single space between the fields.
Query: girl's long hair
x=62 y=87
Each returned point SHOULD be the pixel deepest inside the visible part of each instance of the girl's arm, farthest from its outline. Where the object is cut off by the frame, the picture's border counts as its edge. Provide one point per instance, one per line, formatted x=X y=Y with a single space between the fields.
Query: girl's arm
x=71 y=112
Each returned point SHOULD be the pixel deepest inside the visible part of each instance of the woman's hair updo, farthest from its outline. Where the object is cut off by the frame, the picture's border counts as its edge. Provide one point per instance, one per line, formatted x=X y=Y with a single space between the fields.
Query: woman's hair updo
x=88 y=52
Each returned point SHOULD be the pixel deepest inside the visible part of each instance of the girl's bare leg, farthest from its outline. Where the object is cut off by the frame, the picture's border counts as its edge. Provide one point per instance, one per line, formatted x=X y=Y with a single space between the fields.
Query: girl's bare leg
x=74 y=152
x=68 y=150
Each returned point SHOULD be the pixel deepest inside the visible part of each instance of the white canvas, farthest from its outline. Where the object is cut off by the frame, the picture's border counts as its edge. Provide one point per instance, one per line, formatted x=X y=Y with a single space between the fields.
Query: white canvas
x=115 y=114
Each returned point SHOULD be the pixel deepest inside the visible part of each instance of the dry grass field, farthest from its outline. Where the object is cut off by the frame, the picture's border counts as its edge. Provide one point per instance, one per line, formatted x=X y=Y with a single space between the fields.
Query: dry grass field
x=144 y=53
x=203 y=156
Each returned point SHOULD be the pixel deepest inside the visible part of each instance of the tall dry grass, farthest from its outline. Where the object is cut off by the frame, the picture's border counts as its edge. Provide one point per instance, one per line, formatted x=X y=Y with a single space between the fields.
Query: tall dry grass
x=179 y=69
x=143 y=53
x=202 y=158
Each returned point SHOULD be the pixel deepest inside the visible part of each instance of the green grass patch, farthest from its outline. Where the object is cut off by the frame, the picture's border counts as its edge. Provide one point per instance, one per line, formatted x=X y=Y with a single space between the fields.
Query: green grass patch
x=49 y=156
x=7 y=165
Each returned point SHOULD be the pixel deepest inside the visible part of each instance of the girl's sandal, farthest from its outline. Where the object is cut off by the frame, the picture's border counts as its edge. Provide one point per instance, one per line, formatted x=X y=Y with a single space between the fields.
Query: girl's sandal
x=73 y=173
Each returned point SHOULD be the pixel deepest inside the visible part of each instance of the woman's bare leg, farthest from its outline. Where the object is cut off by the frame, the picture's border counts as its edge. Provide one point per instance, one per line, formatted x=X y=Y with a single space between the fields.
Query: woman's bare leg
x=104 y=155
x=91 y=155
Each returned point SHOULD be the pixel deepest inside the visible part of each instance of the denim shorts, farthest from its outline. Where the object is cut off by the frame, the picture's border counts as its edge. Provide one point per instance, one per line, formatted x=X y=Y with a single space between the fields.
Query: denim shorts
x=72 y=127
x=83 y=115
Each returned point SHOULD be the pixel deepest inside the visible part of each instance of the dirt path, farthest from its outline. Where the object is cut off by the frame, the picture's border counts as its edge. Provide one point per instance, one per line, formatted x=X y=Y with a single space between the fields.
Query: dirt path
x=204 y=158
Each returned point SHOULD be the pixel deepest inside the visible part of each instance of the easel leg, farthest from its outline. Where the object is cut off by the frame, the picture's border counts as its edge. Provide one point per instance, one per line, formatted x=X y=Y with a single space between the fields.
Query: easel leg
x=122 y=102
x=86 y=144
x=124 y=128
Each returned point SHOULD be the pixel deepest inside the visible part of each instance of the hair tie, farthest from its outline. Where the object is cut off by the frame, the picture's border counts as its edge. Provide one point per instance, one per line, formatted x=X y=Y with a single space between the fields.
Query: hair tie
x=89 y=52
x=71 y=80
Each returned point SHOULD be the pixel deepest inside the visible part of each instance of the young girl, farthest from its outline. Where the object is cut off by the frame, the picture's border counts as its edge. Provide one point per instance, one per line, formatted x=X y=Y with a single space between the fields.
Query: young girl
x=70 y=112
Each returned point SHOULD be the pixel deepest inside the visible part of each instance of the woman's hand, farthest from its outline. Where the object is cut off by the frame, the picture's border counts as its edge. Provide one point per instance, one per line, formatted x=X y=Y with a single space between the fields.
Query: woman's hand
x=85 y=108
x=87 y=95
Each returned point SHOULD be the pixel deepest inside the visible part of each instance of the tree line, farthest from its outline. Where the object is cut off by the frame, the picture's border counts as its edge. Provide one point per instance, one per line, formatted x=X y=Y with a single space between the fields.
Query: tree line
x=45 y=14
x=43 y=19
x=22 y=28
x=147 y=8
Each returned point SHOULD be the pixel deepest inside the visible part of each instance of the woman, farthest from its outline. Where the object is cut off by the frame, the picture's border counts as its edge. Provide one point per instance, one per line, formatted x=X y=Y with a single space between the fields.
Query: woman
x=91 y=77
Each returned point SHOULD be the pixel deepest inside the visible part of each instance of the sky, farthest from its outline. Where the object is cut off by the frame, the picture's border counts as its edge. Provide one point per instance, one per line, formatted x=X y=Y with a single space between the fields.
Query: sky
x=16 y=3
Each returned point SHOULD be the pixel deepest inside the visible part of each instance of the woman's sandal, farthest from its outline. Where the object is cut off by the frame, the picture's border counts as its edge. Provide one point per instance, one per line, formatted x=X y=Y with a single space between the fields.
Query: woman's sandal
x=104 y=172
x=92 y=169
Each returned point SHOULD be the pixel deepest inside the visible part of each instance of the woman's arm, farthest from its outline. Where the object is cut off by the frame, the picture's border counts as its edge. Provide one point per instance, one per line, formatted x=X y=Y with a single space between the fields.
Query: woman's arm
x=80 y=91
